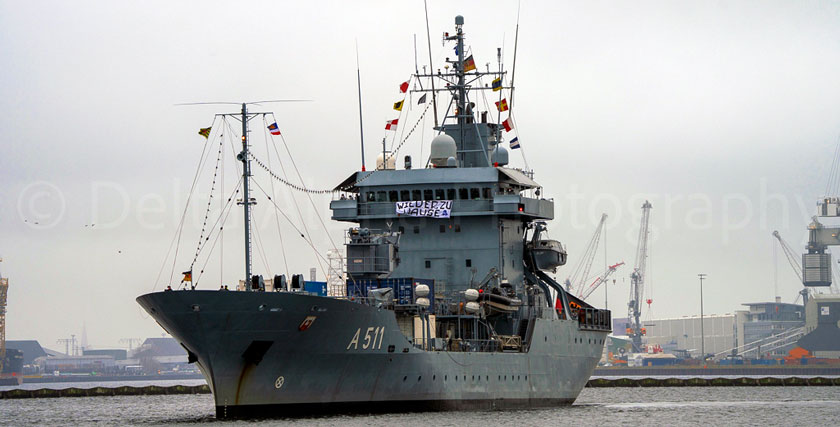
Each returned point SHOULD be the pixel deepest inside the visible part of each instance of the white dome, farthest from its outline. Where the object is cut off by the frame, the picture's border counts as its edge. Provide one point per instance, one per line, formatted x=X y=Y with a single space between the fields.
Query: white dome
x=443 y=147
x=392 y=161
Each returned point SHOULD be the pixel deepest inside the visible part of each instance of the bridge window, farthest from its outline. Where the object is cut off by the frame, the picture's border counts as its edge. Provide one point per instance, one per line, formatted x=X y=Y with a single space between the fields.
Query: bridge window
x=380 y=196
x=475 y=194
x=450 y=194
x=405 y=195
x=427 y=195
x=416 y=195
x=392 y=196
x=439 y=194
x=371 y=197
x=487 y=193
x=463 y=194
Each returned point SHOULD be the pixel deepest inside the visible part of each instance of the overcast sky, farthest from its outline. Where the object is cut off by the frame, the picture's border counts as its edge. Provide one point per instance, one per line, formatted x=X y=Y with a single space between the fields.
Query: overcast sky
x=723 y=114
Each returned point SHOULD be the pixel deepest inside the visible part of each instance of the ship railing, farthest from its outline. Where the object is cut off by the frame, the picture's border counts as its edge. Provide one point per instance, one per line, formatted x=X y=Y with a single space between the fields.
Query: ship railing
x=594 y=319
x=459 y=345
x=371 y=264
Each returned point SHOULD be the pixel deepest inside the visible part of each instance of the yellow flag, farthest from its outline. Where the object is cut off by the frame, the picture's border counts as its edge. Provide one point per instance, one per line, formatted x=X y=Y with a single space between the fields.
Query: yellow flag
x=205 y=132
x=398 y=105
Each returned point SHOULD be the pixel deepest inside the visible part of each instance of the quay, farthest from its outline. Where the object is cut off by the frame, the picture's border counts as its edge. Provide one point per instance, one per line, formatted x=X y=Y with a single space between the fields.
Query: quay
x=789 y=381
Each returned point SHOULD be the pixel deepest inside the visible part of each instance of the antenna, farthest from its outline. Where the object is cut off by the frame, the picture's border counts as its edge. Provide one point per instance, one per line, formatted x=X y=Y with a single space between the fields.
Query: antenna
x=359 y=85
x=513 y=69
x=431 y=67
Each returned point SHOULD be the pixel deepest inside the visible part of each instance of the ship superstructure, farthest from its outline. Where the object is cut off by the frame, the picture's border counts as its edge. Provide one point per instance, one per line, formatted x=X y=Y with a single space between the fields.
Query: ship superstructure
x=448 y=302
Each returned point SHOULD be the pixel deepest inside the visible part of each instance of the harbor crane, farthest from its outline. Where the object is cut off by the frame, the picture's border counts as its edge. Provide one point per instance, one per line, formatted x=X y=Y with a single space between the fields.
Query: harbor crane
x=794 y=263
x=793 y=260
x=637 y=281
x=580 y=272
x=599 y=280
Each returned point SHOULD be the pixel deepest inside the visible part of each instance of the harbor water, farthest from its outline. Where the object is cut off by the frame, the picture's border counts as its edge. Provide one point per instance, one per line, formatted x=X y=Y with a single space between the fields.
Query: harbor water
x=596 y=406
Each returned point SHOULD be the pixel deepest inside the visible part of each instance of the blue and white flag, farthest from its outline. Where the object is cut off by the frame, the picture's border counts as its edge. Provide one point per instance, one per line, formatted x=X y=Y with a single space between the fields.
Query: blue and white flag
x=514 y=143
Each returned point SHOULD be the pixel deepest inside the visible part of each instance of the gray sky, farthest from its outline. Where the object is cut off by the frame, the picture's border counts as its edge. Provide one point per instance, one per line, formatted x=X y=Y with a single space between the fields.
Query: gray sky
x=723 y=114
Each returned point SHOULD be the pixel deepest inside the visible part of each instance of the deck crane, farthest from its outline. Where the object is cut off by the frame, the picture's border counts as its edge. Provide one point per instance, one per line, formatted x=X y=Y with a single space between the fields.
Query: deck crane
x=580 y=272
x=599 y=280
x=637 y=281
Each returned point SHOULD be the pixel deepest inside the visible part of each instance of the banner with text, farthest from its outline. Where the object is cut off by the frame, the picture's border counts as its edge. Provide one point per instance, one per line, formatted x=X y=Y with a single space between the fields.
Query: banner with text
x=427 y=208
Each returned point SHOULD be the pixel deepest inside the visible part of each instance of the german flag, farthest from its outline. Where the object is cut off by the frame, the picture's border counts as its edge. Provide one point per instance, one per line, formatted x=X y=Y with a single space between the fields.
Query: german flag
x=469 y=64
x=187 y=274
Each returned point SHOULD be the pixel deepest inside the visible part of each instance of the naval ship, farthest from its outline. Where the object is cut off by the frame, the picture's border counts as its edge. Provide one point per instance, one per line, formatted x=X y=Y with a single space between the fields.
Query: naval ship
x=449 y=302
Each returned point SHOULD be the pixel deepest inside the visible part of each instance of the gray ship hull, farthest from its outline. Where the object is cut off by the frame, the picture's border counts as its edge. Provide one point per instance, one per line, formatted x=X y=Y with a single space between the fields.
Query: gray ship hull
x=282 y=354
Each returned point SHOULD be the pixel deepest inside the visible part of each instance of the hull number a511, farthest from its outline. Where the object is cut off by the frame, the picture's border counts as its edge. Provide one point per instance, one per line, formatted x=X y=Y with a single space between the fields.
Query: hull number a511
x=371 y=340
